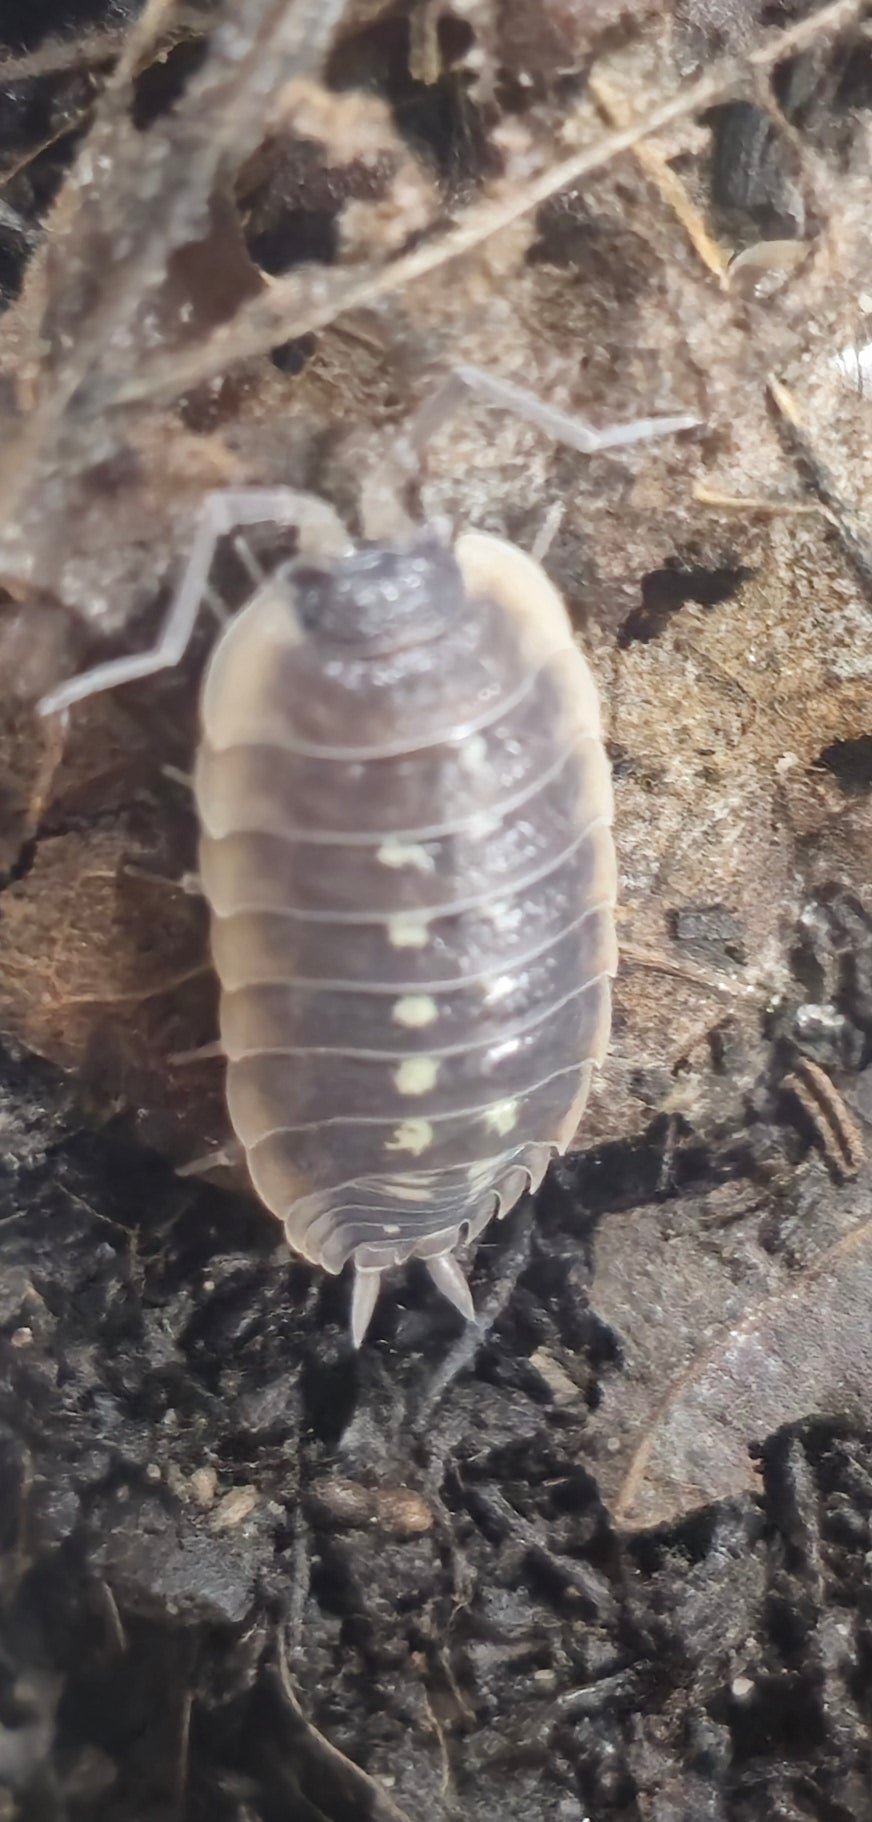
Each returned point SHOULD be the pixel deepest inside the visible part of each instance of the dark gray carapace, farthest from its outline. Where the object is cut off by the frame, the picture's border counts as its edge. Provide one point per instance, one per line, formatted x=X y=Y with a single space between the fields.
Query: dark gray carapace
x=406 y=846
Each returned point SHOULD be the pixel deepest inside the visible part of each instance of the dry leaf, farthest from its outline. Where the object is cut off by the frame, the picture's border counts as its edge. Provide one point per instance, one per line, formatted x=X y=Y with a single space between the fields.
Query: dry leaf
x=722 y=1347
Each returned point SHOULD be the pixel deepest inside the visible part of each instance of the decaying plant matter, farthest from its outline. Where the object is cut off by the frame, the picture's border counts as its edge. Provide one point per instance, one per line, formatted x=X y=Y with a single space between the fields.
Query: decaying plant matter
x=605 y=1554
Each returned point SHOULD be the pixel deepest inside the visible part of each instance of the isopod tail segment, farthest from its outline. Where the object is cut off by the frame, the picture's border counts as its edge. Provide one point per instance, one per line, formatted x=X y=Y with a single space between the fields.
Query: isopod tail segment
x=444 y=1267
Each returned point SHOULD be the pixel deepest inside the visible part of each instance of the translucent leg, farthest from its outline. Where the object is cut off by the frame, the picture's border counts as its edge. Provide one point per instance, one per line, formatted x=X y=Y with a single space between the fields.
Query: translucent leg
x=225 y=1157
x=548 y=530
x=383 y=515
x=204 y=1053
x=177 y=776
x=561 y=425
x=188 y=883
x=249 y=562
x=321 y=534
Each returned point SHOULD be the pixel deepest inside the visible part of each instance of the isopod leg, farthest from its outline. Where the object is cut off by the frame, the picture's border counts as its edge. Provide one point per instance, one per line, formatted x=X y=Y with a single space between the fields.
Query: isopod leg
x=204 y=1053
x=320 y=530
x=382 y=509
x=226 y=1157
x=561 y=425
x=188 y=883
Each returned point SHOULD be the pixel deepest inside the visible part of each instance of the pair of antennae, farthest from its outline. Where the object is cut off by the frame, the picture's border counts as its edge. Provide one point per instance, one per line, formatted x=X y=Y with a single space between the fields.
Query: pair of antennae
x=321 y=533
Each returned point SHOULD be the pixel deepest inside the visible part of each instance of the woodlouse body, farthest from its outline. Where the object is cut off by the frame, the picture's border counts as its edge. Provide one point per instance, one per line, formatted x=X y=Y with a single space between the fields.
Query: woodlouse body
x=405 y=808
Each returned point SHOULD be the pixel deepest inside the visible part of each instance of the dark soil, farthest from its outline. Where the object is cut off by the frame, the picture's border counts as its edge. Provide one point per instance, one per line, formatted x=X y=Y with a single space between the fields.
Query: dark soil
x=227 y=1540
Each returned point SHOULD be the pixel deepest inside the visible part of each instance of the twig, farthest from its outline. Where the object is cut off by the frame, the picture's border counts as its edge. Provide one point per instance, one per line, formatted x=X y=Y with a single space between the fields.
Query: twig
x=851 y=523
x=653 y=162
x=837 y=1134
x=66 y=130
x=730 y=989
x=90 y=48
x=146 y=195
x=140 y=41
x=512 y=1262
x=755 y=503
x=341 y=1774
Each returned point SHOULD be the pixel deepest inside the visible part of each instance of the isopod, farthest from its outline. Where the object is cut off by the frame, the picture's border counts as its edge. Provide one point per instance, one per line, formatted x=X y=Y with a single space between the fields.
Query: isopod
x=405 y=811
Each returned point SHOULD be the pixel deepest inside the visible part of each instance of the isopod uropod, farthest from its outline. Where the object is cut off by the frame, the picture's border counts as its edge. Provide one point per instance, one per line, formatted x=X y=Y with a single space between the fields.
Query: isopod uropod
x=405 y=811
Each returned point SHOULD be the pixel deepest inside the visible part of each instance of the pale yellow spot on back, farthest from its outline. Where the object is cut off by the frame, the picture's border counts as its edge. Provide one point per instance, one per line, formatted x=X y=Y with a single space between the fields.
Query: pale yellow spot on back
x=416 y=1075
x=473 y=754
x=397 y=853
x=405 y=931
x=415 y=1011
x=413 y=1136
x=502 y=1117
x=480 y=827
x=498 y=986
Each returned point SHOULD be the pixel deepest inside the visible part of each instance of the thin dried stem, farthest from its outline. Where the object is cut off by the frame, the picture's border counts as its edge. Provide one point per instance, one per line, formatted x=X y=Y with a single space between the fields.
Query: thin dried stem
x=146 y=195
x=141 y=40
x=91 y=48
x=616 y=112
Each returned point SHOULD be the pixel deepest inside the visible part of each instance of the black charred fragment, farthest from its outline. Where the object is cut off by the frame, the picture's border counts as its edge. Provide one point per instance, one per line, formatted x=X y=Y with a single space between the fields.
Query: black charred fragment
x=755 y=193
x=713 y=933
x=850 y=762
x=665 y=592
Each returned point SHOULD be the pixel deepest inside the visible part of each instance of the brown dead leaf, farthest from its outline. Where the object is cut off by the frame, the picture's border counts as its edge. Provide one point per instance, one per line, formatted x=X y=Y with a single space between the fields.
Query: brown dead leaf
x=104 y=972
x=104 y=964
x=722 y=1347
